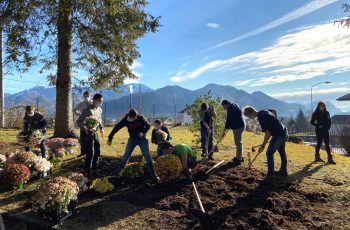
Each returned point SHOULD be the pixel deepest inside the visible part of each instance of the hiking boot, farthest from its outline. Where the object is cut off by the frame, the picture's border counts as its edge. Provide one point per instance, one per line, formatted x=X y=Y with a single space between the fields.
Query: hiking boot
x=319 y=159
x=268 y=179
x=210 y=156
x=282 y=172
x=235 y=162
x=331 y=161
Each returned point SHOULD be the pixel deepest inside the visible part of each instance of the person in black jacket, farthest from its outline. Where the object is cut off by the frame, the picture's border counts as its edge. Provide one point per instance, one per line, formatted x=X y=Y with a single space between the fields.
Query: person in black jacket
x=234 y=121
x=158 y=126
x=35 y=120
x=138 y=127
x=322 y=121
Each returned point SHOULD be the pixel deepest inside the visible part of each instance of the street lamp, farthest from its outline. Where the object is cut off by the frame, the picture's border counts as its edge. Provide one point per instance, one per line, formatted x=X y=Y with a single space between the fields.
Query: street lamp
x=325 y=82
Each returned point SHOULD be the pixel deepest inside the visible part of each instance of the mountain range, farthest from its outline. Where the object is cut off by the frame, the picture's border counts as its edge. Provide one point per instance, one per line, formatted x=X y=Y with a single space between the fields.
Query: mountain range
x=162 y=102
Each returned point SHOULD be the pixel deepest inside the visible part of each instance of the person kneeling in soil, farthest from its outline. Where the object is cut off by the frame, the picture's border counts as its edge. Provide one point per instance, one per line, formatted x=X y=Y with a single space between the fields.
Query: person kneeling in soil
x=160 y=135
x=89 y=137
x=185 y=153
x=138 y=127
x=35 y=120
x=272 y=127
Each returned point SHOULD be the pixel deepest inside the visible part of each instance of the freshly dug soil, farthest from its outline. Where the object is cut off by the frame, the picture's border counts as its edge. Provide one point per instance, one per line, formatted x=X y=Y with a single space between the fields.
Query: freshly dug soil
x=233 y=198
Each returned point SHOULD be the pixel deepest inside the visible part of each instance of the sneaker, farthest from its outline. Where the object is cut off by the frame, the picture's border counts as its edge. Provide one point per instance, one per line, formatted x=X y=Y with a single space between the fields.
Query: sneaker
x=331 y=161
x=282 y=172
x=319 y=159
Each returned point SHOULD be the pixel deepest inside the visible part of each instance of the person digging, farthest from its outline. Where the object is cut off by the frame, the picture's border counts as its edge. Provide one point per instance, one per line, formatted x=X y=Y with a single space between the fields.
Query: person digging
x=234 y=121
x=138 y=127
x=277 y=132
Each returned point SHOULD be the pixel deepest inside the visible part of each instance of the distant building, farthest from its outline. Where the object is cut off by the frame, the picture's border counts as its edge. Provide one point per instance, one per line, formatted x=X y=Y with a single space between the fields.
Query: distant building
x=185 y=117
x=339 y=122
x=346 y=97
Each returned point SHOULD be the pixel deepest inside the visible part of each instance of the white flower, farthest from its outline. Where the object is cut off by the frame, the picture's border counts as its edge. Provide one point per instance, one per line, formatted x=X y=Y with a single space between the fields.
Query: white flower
x=42 y=165
x=2 y=158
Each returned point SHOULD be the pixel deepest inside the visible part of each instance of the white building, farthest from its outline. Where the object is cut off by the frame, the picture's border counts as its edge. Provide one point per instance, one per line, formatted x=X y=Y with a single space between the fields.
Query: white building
x=185 y=117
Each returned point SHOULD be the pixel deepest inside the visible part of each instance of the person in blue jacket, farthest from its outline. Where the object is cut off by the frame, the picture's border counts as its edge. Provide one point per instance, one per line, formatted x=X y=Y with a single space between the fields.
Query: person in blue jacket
x=234 y=121
x=277 y=132
x=35 y=120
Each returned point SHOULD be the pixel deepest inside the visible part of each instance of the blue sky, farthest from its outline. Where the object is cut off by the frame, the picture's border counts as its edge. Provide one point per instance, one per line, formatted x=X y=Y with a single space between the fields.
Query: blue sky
x=278 y=47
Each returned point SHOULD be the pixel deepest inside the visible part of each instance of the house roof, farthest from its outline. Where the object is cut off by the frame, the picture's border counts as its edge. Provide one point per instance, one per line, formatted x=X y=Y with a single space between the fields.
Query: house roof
x=184 y=110
x=341 y=119
x=346 y=97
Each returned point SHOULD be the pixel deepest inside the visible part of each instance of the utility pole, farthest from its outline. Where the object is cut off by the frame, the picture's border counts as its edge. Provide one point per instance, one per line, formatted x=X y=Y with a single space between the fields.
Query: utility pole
x=37 y=104
x=2 y=93
x=130 y=91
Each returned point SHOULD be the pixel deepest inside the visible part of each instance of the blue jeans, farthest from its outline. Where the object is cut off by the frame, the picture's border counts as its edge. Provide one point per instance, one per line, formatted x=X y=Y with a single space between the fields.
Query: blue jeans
x=160 y=151
x=204 y=136
x=130 y=146
x=276 y=143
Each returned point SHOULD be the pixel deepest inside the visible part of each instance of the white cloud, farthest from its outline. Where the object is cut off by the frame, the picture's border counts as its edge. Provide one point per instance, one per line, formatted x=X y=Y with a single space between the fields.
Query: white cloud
x=136 y=65
x=306 y=92
x=213 y=25
x=205 y=58
x=298 y=13
x=306 y=53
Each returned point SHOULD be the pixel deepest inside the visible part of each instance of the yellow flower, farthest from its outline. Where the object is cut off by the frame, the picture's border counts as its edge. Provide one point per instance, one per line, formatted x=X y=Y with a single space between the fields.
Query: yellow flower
x=168 y=166
x=102 y=185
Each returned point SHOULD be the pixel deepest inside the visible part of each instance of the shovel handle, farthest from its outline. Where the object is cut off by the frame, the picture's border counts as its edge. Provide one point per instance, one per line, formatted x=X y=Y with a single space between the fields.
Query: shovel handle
x=215 y=166
x=198 y=197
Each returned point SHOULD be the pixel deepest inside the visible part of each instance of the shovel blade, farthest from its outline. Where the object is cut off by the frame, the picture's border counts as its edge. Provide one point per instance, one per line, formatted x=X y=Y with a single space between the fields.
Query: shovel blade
x=216 y=149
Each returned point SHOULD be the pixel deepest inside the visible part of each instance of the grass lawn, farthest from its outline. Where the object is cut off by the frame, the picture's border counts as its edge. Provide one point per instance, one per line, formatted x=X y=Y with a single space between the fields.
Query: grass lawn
x=332 y=180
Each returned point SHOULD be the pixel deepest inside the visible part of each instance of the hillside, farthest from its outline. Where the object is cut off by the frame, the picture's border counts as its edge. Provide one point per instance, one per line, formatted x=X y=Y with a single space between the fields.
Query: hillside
x=162 y=102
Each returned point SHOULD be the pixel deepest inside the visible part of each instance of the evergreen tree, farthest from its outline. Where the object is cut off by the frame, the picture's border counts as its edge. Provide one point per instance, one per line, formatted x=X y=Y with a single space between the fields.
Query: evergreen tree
x=98 y=36
x=301 y=122
x=291 y=124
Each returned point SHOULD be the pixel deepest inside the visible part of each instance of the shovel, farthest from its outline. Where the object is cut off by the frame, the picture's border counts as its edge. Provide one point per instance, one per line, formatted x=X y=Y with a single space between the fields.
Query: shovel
x=214 y=167
x=249 y=158
x=198 y=198
x=216 y=148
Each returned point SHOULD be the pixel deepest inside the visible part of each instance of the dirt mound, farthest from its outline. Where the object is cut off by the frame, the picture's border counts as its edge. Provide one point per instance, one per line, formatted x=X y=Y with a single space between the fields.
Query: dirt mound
x=234 y=198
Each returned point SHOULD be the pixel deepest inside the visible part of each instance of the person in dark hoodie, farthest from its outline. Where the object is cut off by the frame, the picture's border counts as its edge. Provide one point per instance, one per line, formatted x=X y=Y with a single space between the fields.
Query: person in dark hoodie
x=35 y=120
x=159 y=127
x=138 y=127
x=322 y=121
x=276 y=133
x=234 y=121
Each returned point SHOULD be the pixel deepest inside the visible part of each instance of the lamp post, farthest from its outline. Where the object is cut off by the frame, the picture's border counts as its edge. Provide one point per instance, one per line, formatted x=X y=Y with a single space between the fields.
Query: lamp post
x=325 y=82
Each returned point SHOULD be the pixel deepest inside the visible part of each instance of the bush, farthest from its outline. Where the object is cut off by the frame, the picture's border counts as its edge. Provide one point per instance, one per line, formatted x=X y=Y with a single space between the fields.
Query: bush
x=194 y=112
x=15 y=175
x=168 y=166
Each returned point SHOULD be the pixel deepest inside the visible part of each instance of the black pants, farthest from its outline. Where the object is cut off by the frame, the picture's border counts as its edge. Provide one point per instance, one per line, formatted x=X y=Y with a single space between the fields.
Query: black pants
x=92 y=150
x=322 y=135
x=82 y=146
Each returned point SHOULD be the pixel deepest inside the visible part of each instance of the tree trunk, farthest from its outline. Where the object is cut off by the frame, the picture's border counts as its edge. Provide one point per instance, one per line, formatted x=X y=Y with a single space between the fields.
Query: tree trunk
x=2 y=93
x=64 y=126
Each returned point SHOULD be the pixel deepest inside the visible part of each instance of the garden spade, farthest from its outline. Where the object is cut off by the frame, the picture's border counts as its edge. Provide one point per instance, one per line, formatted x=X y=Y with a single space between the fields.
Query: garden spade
x=216 y=148
x=198 y=197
